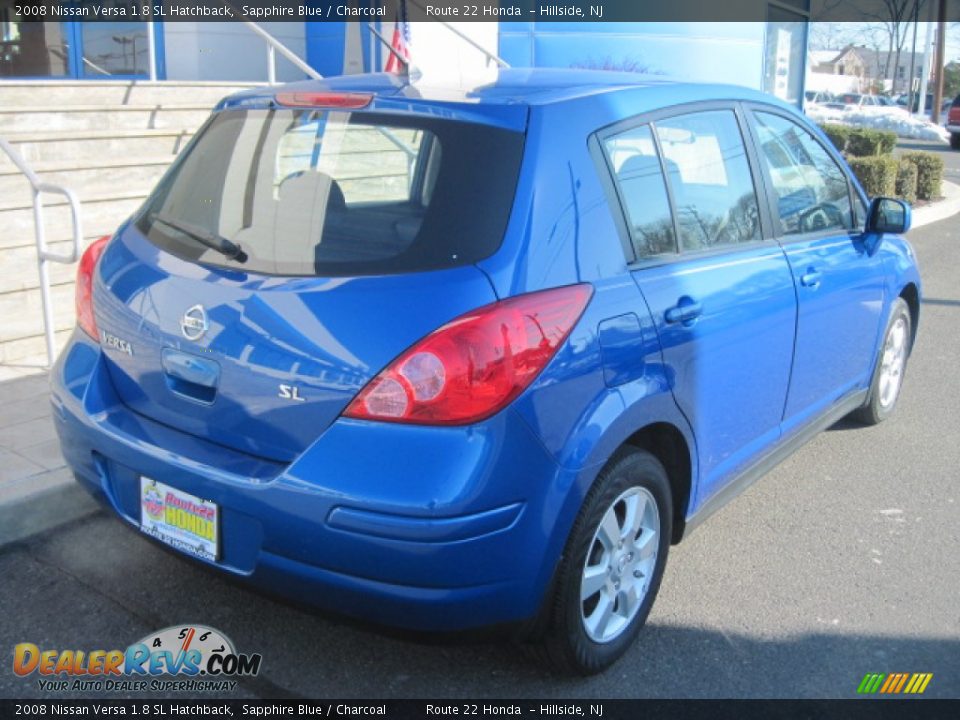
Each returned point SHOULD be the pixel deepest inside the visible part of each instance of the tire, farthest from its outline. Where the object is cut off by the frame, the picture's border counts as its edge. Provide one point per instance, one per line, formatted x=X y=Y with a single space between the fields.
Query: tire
x=575 y=639
x=890 y=367
x=955 y=141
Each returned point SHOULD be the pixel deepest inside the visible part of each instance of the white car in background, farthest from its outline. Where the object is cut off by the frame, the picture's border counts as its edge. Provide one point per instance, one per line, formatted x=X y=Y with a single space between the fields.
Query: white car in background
x=866 y=103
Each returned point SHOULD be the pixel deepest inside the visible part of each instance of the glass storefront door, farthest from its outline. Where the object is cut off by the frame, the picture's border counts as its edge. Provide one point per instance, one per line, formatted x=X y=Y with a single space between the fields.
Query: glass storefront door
x=109 y=49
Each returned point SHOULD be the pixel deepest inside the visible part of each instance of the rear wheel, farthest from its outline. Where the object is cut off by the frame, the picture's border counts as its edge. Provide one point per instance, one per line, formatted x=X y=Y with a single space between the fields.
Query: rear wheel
x=611 y=570
x=890 y=368
x=955 y=141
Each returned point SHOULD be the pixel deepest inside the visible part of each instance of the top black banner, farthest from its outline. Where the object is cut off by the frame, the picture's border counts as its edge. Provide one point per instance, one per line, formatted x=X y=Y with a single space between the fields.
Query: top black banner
x=605 y=11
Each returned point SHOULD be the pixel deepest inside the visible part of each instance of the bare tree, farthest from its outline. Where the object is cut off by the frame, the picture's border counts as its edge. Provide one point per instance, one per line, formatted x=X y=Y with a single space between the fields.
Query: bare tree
x=831 y=35
x=895 y=18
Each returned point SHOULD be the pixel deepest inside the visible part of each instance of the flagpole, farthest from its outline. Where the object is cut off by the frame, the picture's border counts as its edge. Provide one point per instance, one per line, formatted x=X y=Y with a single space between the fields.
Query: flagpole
x=390 y=47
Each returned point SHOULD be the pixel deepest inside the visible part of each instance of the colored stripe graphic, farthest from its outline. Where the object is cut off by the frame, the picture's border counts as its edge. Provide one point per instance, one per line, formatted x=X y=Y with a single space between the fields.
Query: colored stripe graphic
x=894 y=683
x=918 y=683
x=903 y=679
x=891 y=680
x=870 y=683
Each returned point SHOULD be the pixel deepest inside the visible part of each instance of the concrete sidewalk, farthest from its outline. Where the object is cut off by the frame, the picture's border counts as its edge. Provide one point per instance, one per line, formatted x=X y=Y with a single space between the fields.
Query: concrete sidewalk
x=943 y=208
x=37 y=491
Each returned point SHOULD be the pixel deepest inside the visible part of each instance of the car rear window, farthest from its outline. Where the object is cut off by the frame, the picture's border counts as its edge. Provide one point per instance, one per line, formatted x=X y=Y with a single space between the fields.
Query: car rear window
x=323 y=192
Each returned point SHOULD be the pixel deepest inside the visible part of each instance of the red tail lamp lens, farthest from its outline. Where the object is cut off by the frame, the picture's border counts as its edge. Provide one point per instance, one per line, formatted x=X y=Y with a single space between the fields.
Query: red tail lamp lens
x=475 y=365
x=84 y=293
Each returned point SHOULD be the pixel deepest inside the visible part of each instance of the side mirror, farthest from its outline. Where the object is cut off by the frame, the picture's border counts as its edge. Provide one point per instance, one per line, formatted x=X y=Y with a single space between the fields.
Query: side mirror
x=887 y=215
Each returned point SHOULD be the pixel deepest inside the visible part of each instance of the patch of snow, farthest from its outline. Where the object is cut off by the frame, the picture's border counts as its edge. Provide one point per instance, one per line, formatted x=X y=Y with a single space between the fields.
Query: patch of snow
x=892 y=119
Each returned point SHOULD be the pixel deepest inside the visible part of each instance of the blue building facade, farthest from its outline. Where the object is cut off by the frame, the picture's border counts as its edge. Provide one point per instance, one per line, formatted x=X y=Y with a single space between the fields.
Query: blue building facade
x=768 y=56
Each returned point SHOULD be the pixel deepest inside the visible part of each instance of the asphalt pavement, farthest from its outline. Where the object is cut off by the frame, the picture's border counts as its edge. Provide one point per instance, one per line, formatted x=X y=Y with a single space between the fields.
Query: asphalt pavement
x=842 y=561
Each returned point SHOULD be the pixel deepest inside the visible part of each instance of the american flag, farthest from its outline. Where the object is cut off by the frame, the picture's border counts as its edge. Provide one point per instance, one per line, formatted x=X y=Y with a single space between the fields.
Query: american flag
x=400 y=42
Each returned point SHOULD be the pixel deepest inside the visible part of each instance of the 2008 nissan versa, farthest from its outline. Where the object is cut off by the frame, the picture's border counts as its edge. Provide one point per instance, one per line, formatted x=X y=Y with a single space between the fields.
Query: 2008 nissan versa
x=447 y=360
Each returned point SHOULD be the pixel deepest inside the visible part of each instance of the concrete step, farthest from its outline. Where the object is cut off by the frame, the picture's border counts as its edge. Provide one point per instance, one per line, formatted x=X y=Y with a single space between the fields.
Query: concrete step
x=100 y=216
x=22 y=312
x=95 y=145
x=117 y=92
x=88 y=179
x=31 y=347
x=43 y=118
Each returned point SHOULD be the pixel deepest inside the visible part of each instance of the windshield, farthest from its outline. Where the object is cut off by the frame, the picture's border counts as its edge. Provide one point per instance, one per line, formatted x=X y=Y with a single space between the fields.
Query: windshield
x=320 y=192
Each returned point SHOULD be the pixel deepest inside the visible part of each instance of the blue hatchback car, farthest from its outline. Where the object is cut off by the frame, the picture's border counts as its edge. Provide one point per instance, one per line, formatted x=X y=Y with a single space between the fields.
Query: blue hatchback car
x=443 y=359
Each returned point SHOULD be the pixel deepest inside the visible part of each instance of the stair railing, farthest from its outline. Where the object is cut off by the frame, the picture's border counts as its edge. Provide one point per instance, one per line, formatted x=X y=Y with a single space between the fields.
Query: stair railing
x=44 y=256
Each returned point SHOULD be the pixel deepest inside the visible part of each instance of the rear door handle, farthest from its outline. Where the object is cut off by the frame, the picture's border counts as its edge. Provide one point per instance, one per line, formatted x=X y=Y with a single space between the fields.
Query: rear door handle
x=685 y=311
x=811 y=278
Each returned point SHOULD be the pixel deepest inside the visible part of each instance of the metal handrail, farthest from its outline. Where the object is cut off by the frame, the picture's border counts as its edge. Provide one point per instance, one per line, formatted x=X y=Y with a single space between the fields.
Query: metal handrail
x=275 y=46
x=43 y=254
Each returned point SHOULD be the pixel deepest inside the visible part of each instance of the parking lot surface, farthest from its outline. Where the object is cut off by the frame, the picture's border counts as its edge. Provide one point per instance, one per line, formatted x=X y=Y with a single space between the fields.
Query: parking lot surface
x=842 y=561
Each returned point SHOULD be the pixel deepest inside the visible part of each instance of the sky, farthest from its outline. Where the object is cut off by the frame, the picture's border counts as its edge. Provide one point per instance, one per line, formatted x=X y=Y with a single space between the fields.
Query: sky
x=848 y=32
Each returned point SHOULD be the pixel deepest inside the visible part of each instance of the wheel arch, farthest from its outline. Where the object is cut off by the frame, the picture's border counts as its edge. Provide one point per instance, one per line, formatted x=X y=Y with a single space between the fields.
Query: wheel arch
x=667 y=443
x=911 y=295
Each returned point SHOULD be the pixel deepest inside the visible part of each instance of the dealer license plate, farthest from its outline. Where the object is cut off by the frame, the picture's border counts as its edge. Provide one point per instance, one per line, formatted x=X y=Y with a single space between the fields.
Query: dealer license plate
x=181 y=520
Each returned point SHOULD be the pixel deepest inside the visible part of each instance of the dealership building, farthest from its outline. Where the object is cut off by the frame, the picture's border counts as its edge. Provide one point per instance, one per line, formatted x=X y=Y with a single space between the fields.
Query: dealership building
x=764 y=55
x=100 y=109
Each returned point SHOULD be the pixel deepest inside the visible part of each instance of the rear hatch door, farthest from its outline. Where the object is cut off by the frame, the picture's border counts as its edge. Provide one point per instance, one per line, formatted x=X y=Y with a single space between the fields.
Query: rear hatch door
x=358 y=234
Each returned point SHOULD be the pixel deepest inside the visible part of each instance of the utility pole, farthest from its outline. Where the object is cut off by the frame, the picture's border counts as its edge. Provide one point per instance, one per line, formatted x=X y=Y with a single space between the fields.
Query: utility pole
x=938 y=62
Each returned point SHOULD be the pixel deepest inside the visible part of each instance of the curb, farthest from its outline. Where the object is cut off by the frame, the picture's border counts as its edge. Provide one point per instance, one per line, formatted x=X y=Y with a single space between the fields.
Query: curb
x=42 y=511
x=940 y=210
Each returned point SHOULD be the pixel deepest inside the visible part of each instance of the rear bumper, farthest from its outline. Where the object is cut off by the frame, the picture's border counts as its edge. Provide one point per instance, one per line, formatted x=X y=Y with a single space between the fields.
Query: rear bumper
x=953 y=128
x=422 y=528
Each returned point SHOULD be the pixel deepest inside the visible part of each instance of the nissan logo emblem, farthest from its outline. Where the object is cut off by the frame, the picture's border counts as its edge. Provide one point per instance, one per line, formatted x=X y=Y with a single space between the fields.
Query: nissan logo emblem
x=193 y=324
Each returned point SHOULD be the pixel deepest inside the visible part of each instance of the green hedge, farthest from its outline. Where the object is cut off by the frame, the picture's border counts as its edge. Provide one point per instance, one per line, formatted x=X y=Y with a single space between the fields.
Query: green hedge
x=878 y=175
x=862 y=142
x=929 y=173
x=838 y=134
x=906 y=185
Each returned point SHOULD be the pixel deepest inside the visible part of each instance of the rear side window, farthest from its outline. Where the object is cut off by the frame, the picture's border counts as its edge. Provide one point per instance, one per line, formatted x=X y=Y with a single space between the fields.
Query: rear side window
x=318 y=192
x=710 y=179
x=811 y=189
x=643 y=190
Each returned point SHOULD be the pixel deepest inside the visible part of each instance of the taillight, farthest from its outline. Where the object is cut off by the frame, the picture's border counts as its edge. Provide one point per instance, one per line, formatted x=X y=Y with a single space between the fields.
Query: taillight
x=88 y=263
x=953 y=117
x=475 y=365
x=334 y=100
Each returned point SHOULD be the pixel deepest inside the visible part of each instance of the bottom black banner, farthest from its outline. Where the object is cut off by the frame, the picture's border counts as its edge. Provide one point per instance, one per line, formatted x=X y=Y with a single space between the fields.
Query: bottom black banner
x=892 y=709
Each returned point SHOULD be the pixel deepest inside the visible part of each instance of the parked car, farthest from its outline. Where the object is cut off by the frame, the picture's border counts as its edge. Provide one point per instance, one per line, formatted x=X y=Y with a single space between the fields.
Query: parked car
x=445 y=360
x=904 y=100
x=953 y=123
x=817 y=97
x=875 y=103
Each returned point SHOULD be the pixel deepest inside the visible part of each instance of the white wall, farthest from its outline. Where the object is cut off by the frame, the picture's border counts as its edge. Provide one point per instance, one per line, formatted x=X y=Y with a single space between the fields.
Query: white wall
x=443 y=56
x=228 y=51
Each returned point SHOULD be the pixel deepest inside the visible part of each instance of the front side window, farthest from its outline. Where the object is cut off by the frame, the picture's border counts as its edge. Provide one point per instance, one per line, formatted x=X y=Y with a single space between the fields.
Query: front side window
x=333 y=193
x=811 y=188
x=639 y=176
x=710 y=179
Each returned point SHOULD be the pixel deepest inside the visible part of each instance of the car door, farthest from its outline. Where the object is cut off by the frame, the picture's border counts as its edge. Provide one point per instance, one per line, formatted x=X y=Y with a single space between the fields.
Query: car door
x=839 y=280
x=721 y=296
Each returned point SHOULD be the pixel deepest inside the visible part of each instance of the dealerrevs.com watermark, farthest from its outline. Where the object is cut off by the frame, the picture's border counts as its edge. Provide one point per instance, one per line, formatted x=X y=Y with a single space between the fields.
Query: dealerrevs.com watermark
x=180 y=658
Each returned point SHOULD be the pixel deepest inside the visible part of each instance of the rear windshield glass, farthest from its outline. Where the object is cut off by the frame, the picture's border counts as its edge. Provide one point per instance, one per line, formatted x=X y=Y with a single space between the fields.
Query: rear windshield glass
x=319 y=192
